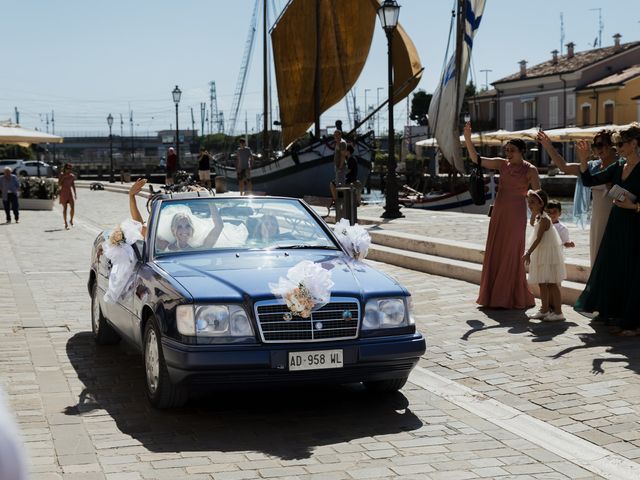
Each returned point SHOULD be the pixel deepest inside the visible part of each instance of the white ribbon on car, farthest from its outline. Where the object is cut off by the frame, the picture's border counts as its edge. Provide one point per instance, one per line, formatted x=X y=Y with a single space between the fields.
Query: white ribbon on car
x=353 y=238
x=122 y=257
x=306 y=287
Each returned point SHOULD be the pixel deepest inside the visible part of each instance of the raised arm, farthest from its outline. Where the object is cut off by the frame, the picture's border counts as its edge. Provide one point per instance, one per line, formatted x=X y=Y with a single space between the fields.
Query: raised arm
x=492 y=163
x=557 y=159
x=133 y=205
x=590 y=179
x=214 y=234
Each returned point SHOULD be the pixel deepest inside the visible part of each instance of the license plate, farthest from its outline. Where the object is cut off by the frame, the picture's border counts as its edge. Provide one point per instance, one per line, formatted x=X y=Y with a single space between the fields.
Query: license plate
x=315 y=360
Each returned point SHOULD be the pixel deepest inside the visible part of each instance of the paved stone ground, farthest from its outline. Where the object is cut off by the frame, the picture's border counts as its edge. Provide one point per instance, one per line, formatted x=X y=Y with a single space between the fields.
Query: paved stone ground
x=84 y=416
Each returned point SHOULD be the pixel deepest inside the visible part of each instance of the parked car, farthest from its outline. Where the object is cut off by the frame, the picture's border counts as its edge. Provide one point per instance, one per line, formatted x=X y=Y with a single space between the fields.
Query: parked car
x=12 y=163
x=30 y=168
x=206 y=317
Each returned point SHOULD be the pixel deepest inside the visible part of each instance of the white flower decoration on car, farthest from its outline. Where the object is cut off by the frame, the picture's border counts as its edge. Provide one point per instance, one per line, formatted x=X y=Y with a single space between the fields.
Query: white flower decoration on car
x=353 y=238
x=307 y=287
x=117 y=248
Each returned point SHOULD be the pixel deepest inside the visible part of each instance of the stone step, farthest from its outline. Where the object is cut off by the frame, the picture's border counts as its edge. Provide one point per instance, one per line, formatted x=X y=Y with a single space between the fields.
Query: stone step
x=453 y=268
x=577 y=270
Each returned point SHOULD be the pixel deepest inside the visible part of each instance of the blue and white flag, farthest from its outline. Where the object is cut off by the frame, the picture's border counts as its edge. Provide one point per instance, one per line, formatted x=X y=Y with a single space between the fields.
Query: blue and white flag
x=446 y=103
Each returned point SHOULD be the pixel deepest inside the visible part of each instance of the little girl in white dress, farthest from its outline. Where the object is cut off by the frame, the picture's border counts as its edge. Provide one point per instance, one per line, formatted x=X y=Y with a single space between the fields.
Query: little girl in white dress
x=545 y=258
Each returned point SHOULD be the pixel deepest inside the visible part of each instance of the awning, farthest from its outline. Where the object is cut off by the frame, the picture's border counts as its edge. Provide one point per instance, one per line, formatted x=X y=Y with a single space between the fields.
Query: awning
x=16 y=135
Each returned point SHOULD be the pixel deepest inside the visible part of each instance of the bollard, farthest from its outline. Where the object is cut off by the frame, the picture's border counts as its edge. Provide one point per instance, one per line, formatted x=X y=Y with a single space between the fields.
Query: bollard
x=346 y=206
x=221 y=184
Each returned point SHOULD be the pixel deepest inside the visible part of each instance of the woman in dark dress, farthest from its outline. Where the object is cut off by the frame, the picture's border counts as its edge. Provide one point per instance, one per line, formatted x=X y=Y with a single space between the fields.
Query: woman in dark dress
x=612 y=288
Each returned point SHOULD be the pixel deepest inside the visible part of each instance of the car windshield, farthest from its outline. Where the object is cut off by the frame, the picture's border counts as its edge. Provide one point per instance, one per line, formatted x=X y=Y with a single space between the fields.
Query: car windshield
x=233 y=223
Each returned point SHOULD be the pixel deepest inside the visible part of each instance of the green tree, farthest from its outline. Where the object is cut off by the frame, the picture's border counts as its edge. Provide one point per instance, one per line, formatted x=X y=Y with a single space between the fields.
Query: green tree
x=420 y=107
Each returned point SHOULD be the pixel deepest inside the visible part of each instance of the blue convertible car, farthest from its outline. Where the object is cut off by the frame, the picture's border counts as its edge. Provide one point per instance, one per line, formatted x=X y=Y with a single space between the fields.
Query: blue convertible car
x=201 y=311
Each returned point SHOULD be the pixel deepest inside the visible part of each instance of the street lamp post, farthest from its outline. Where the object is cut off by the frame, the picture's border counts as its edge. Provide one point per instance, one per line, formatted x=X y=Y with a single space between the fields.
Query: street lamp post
x=176 y=99
x=388 y=13
x=110 y=123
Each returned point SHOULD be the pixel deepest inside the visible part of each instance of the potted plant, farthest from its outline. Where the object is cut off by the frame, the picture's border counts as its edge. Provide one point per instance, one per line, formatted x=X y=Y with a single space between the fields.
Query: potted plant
x=38 y=193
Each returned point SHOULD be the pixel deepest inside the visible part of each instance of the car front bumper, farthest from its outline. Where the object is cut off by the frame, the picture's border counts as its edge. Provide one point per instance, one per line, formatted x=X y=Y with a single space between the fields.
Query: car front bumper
x=223 y=366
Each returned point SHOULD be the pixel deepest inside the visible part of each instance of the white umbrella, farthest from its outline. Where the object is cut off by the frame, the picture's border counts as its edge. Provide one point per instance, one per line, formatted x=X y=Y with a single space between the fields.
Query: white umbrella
x=15 y=134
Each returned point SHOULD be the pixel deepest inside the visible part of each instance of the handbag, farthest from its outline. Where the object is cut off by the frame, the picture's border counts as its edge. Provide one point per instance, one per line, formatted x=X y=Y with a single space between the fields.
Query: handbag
x=476 y=184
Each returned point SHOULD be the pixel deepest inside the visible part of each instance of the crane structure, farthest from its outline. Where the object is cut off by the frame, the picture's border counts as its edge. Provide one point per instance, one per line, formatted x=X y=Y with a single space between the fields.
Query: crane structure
x=217 y=118
x=244 y=71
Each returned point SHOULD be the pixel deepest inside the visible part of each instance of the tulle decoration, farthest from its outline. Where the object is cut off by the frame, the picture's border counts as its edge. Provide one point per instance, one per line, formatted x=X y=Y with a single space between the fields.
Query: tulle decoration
x=353 y=238
x=307 y=287
x=117 y=248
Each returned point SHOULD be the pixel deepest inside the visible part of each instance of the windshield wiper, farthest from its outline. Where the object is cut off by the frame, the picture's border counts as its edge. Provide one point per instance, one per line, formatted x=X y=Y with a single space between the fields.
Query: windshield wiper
x=318 y=247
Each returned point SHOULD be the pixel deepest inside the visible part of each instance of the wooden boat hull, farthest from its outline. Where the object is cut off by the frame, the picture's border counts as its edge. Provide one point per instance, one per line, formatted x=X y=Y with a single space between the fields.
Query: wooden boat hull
x=307 y=172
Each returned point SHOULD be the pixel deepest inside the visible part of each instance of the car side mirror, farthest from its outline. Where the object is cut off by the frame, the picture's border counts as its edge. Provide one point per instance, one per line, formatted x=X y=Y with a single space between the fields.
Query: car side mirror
x=138 y=248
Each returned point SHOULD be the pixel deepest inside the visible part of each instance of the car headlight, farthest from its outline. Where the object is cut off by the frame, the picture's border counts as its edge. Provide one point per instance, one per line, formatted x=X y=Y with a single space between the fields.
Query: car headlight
x=386 y=313
x=221 y=321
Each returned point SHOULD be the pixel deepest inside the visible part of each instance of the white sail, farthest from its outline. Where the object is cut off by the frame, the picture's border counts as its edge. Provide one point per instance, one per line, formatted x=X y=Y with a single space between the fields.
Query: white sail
x=446 y=103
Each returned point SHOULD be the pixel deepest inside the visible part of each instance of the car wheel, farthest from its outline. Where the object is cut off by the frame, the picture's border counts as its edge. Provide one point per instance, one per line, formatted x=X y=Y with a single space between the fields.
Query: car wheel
x=23 y=173
x=162 y=393
x=103 y=333
x=386 y=386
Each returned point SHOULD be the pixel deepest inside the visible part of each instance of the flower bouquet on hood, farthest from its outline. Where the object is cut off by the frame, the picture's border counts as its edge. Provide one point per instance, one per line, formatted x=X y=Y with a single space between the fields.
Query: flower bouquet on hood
x=353 y=238
x=117 y=248
x=307 y=287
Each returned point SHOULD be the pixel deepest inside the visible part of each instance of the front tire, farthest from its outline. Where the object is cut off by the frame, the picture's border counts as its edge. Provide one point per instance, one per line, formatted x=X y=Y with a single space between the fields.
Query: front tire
x=161 y=392
x=386 y=386
x=103 y=333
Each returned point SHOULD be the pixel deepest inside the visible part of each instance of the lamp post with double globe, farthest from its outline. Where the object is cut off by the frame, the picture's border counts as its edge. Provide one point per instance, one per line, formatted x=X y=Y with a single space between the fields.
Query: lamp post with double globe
x=176 y=99
x=110 y=123
x=388 y=14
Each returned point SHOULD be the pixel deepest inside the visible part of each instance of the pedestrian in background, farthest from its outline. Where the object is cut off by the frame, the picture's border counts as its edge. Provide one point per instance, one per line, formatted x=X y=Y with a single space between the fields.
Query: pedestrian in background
x=503 y=282
x=545 y=259
x=244 y=156
x=339 y=162
x=68 y=194
x=10 y=186
x=602 y=146
x=204 y=168
x=172 y=165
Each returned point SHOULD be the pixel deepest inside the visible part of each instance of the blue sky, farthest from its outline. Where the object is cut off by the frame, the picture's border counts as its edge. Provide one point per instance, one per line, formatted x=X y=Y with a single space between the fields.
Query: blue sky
x=85 y=59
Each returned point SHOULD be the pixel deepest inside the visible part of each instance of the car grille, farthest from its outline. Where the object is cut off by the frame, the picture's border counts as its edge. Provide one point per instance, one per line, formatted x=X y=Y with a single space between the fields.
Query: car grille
x=326 y=323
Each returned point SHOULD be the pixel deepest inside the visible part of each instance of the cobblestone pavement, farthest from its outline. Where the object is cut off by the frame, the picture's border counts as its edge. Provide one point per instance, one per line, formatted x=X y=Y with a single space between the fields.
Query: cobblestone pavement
x=83 y=413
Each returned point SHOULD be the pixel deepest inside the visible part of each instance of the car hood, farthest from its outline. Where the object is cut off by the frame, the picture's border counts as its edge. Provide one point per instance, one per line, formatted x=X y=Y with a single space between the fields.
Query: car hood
x=241 y=276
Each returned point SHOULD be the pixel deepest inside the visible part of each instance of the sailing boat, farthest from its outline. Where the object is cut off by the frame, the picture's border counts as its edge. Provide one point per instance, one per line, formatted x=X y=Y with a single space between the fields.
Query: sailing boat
x=319 y=49
x=444 y=114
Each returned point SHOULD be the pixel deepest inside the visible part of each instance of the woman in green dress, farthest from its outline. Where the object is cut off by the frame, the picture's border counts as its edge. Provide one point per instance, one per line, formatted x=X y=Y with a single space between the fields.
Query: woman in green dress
x=616 y=270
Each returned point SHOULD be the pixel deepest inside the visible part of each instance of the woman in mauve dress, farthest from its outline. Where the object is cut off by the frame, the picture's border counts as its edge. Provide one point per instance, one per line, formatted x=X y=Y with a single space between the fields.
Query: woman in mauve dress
x=606 y=154
x=67 y=184
x=503 y=283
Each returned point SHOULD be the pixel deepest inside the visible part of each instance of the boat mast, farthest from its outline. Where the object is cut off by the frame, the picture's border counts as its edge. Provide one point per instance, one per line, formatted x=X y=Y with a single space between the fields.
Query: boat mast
x=458 y=67
x=265 y=84
x=316 y=82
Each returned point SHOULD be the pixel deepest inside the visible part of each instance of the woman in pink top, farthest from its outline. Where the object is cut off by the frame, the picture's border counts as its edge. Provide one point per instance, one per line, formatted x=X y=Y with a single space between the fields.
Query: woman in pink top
x=503 y=283
x=67 y=184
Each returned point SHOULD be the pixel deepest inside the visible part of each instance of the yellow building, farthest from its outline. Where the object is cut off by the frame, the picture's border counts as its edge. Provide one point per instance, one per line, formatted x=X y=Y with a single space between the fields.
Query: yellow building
x=614 y=99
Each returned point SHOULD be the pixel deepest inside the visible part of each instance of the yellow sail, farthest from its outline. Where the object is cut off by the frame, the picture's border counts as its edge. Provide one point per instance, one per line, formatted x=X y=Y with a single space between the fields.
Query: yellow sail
x=346 y=31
